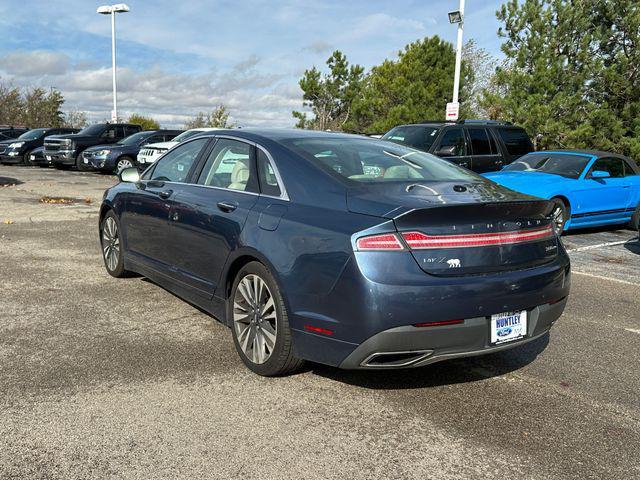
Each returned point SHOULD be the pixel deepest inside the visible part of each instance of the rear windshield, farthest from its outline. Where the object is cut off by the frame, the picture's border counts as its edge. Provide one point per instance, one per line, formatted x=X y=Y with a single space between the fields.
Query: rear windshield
x=569 y=166
x=516 y=140
x=416 y=136
x=184 y=135
x=135 y=138
x=374 y=161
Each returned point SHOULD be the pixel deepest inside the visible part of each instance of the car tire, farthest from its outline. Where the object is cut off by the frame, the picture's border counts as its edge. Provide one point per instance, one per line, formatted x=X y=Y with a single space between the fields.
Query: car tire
x=634 y=223
x=112 y=253
x=80 y=166
x=560 y=215
x=262 y=335
x=25 y=159
x=122 y=163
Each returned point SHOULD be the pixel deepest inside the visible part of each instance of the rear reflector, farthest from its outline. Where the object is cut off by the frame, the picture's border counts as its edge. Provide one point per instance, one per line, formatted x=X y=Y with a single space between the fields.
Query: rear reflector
x=438 y=324
x=324 y=331
x=420 y=241
x=386 y=241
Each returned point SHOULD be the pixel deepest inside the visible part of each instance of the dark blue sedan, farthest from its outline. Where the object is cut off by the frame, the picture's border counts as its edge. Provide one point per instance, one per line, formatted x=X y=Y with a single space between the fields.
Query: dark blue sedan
x=339 y=249
x=116 y=157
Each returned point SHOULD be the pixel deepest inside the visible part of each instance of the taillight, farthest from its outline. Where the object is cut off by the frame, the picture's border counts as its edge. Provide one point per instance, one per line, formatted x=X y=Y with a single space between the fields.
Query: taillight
x=420 y=241
x=385 y=241
x=438 y=323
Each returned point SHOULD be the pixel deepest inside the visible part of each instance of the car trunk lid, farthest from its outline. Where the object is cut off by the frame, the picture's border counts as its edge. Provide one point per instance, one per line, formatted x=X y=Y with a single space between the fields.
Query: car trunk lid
x=457 y=229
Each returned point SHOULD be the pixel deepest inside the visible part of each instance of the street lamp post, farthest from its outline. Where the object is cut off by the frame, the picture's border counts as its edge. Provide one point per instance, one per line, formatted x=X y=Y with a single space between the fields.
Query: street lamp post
x=457 y=16
x=112 y=10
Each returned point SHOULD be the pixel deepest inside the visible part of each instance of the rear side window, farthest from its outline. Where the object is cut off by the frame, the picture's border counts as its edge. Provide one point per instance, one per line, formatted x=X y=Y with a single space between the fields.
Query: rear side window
x=482 y=142
x=516 y=141
x=453 y=142
x=229 y=166
x=267 y=175
x=130 y=130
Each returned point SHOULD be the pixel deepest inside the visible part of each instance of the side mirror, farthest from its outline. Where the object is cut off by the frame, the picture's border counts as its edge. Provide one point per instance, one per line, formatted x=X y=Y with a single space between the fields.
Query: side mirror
x=130 y=175
x=600 y=174
x=449 y=151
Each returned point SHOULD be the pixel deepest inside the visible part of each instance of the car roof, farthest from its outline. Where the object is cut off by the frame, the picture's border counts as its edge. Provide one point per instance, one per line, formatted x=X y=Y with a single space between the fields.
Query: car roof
x=280 y=134
x=578 y=151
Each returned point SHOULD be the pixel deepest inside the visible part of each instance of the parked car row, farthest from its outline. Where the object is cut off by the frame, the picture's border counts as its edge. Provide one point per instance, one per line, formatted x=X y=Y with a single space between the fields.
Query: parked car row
x=587 y=188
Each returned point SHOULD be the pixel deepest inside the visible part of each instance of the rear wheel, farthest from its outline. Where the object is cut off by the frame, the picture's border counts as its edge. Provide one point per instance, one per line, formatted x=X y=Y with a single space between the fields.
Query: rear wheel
x=123 y=162
x=111 y=246
x=635 y=219
x=260 y=325
x=560 y=215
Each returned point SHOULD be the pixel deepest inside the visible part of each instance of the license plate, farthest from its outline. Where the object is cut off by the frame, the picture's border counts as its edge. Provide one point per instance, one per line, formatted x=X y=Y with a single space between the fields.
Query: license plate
x=48 y=158
x=85 y=160
x=508 y=326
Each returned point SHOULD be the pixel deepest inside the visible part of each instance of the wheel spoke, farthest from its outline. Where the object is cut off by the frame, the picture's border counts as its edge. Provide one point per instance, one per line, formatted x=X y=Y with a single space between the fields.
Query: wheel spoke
x=244 y=291
x=269 y=335
x=267 y=307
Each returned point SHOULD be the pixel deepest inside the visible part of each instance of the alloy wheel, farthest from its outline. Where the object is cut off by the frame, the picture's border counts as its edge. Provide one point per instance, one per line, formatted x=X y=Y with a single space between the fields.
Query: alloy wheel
x=110 y=243
x=122 y=164
x=558 y=219
x=255 y=318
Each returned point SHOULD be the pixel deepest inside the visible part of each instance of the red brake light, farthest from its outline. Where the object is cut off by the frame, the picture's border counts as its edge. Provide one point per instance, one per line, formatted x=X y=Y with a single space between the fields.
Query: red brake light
x=419 y=240
x=438 y=324
x=324 y=331
x=385 y=241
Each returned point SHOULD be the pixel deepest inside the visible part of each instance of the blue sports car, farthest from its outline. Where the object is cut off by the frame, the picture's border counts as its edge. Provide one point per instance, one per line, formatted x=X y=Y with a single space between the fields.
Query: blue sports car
x=339 y=249
x=589 y=188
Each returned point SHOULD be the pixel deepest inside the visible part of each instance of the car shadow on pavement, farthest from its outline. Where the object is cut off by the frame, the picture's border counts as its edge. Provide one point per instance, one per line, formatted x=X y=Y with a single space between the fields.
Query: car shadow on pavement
x=633 y=245
x=448 y=372
x=9 y=181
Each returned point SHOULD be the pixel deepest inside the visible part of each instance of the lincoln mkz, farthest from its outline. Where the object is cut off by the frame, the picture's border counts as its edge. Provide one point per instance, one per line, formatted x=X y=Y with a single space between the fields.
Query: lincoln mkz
x=338 y=249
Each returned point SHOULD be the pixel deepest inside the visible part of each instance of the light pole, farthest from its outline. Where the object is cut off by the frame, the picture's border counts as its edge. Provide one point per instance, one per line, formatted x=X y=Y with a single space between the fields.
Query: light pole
x=112 y=10
x=457 y=16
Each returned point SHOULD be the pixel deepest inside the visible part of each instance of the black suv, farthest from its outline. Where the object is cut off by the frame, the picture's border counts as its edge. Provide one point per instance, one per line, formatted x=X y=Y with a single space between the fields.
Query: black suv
x=65 y=151
x=479 y=145
x=17 y=150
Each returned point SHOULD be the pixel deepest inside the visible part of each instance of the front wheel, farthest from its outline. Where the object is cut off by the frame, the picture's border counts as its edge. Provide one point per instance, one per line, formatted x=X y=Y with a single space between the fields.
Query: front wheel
x=112 y=247
x=123 y=162
x=559 y=215
x=260 y=325
x=80 y=166
x=26 y=160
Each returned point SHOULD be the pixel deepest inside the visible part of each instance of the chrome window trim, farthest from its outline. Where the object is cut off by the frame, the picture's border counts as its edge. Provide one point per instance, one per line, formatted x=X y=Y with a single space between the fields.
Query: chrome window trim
x=283 y=195
x=283 y=191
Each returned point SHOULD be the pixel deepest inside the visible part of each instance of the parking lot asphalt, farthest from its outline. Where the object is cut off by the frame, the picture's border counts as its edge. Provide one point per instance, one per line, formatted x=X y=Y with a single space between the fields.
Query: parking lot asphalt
x=108 y=378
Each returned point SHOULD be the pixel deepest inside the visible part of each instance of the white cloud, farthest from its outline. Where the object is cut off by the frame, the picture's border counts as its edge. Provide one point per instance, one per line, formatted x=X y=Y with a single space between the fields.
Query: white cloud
x=34 y=63
x=382 y=24
x=253 y=97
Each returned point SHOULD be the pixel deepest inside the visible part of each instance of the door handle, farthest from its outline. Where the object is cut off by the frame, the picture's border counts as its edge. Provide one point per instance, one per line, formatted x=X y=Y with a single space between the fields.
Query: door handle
x=165 y=194
x=227 y=206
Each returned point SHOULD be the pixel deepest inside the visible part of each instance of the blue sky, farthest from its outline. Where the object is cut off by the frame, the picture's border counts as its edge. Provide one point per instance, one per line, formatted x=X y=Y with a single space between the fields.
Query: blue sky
x=176 y=58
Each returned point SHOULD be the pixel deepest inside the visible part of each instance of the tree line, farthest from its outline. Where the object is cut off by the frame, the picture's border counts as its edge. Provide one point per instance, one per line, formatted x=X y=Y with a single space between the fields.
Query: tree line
x=38 y=107
x=570 y=76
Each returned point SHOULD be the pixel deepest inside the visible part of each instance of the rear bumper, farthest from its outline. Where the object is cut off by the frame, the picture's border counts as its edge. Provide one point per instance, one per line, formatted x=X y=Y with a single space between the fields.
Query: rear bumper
x=378 y=298
x=409 y=346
